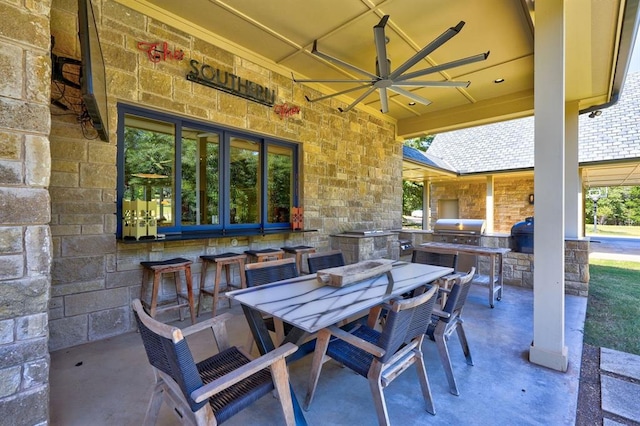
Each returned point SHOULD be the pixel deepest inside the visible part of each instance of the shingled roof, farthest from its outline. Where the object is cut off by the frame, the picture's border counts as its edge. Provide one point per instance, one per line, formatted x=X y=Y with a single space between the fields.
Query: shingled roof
x=508 y=145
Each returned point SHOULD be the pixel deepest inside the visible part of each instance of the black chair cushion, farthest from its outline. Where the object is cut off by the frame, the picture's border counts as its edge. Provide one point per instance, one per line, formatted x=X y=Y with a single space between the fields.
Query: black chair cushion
x=168 y=262
x=214 y=257
x=352 y=356
x=237 y=397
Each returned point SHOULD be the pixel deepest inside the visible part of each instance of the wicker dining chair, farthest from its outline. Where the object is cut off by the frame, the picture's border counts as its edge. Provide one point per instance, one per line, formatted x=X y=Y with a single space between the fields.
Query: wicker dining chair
x=267 y=272
x=324 y=260
x=213 y=390
x=380 y=356
x=444 y=322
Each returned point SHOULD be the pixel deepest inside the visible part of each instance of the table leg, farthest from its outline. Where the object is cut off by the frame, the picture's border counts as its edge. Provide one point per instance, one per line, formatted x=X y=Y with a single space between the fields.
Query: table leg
x=492 y=273
x=500 y=278
x=265 y=344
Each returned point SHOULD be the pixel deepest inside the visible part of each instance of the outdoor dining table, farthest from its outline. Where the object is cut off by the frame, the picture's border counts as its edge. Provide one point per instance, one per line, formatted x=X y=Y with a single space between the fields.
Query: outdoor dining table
x=309 y=305
x=495 y=255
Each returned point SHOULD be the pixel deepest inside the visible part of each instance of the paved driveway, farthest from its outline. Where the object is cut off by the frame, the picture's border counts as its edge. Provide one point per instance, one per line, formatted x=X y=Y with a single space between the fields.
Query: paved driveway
x=615 y=248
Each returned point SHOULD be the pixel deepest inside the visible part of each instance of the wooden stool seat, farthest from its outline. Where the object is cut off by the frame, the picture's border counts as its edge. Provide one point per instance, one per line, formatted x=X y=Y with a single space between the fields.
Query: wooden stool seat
x=157 y=268
x=265 y=254
x=223 y=260
x=299 y=252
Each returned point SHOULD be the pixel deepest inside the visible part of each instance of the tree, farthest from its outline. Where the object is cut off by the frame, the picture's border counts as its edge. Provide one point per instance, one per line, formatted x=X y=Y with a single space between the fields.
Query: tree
x=618 y=205
x=412 y=191
x=421 y=144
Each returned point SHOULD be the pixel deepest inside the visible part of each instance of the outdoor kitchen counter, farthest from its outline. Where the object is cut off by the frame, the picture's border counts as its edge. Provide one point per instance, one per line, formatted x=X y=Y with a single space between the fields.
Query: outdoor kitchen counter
x=494 y=280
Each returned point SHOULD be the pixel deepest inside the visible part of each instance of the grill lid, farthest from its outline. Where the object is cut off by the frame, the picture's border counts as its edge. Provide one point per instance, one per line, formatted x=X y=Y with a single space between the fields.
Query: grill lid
x=523 y=228
x=460 y=226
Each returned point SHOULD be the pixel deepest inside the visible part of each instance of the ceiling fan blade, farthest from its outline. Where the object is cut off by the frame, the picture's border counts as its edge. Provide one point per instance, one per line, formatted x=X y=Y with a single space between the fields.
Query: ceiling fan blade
x=337 y=61
x=384 y=100
x=410 y=95
x=353 y=89
x=361 y=97
x=442 y=67
x=382 y=63
x=442 y=39
x=330 y=81
x=432 y=83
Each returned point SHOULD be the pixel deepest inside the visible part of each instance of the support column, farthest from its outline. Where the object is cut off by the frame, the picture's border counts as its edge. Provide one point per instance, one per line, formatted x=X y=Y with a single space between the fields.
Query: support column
x=574 y=208
x=548 y=348
x=489 y=205
x=426 y=205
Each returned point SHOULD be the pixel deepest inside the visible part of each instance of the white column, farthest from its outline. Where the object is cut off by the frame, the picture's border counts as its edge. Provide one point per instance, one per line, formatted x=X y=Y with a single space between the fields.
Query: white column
x=573 y=208
x=548 y=348
x=489 y=206
x=426 y=205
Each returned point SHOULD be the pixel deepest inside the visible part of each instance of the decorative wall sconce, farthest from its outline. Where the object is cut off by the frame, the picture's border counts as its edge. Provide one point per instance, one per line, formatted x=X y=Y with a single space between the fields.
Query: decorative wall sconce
x=530 y=198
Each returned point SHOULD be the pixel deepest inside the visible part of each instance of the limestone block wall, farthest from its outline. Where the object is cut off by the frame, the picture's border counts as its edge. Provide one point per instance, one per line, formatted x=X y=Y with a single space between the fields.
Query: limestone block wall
x=25 y=239
x=351 y=173
x=518 y=267
x=510 y=198
x=356 y=248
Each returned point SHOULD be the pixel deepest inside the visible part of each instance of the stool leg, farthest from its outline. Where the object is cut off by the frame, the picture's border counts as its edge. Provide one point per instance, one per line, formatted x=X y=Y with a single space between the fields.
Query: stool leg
x=299 y=262
x=178 y=283
x=227 y=271
x=154 y=293
x=243 y=279
x=216 y=288
x=203 y=275
x=192 y=310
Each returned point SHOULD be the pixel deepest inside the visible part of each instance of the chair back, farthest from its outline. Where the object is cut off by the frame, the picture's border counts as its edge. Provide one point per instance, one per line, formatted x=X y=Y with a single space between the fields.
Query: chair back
x=270 y=271
x=458 y=296
x=406 y=320
x=449 y=260
x=167 y=350
x=324 y=260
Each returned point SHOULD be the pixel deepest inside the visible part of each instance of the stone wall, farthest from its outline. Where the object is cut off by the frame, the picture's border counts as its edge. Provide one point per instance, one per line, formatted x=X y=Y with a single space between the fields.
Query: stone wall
x=25 y=240
x=518 y=267
x=351 y=175
x=356 y=248
x=510 y=198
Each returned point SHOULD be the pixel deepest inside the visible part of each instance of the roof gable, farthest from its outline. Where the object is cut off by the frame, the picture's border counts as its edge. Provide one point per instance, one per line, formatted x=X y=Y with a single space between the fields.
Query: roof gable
x=508 y=145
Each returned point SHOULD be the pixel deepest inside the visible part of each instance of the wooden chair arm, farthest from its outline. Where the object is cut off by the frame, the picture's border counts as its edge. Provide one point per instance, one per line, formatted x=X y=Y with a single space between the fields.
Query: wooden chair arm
x=356 y=341
x=211 y=322
x=440 y=313
x=243 y=372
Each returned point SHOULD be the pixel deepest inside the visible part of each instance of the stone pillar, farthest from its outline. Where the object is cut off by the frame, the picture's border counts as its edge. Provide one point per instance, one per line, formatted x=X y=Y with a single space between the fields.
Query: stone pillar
x=25 y=240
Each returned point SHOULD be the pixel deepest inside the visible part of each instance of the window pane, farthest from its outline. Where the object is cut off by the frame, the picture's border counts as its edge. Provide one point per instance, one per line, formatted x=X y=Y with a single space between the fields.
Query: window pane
x=244 y=181
x=279 y=183
x=200 y=177
x=148 y=163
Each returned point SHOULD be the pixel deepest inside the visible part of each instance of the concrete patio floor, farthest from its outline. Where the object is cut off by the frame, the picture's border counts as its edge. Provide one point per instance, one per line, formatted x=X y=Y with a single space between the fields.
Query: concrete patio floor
x=109 y=382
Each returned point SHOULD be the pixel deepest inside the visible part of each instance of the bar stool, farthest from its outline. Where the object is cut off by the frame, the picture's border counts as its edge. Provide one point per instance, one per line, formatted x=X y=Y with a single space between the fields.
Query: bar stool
x=265 y=254
x=224 y=260
x=299 y=252
x=165 y=267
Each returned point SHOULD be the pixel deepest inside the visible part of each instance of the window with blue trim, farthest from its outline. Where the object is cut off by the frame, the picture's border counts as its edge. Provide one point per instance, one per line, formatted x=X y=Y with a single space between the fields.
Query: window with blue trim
x=180 y=176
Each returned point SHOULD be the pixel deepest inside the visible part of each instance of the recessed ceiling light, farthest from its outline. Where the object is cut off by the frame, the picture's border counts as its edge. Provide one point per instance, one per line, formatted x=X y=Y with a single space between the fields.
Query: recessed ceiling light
x=412 y=103
x=498 y=80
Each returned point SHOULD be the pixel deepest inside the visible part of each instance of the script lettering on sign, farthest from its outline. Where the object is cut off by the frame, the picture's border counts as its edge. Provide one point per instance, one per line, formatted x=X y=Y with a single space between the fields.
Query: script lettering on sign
x=160 y=51
x=286 y=110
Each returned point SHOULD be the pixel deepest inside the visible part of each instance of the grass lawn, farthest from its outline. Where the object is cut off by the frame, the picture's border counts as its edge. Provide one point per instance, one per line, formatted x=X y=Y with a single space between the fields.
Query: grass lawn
x=613 y=308
x=614 y=230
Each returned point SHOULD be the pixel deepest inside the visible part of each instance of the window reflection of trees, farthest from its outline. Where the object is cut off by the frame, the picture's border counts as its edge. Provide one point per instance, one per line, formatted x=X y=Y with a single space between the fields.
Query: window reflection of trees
x=149 y=173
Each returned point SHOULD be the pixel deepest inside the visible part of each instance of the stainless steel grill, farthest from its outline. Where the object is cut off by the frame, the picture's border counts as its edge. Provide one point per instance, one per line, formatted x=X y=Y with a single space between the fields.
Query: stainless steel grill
x=460 y=231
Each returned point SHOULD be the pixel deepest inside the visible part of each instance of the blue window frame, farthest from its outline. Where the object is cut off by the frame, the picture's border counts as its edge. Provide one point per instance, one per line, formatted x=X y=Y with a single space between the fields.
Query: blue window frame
x=196 y=177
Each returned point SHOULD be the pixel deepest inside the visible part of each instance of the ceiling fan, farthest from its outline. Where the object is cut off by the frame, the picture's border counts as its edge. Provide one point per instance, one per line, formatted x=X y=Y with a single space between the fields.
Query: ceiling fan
x=394 y=80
